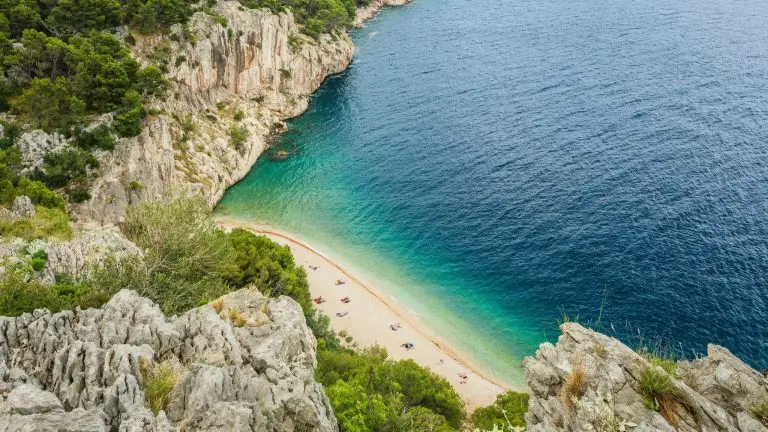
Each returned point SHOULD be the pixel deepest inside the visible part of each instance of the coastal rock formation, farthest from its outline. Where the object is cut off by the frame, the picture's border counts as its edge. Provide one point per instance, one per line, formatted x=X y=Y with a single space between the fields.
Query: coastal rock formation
x=367 y=12
x=245 y=76
x=87 y=370
x=591 y=382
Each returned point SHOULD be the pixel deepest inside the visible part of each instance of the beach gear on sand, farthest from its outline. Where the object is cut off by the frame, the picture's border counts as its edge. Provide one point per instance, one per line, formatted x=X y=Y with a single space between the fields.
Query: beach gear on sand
x=341 y=314
x=408 y=346
x=319 y=300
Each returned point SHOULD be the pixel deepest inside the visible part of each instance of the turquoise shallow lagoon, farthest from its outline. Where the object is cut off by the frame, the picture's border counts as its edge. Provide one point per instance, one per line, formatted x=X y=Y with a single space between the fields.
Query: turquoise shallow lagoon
x=493 y=165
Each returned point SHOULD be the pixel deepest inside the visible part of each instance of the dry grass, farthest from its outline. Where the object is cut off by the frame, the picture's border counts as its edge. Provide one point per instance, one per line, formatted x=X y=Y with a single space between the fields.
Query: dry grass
x=237 y=317
x=218 y=305
x=760 y=412
x=575 y=385
x=600 y=350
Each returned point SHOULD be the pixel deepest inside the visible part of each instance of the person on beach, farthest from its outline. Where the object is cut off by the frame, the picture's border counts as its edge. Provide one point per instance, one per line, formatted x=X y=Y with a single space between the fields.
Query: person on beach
x=341 y=314
x=408 y=346
x=340 y=281
x=346 y=300
x=314 y=267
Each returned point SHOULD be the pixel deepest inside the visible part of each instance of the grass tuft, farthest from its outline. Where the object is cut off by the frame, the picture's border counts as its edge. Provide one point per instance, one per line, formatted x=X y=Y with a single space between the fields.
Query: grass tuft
x=218 y=305
x=575 y=385
x=158 y=385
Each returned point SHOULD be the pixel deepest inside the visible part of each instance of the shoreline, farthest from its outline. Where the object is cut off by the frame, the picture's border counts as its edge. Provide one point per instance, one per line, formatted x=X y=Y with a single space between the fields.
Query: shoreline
x=371 y=312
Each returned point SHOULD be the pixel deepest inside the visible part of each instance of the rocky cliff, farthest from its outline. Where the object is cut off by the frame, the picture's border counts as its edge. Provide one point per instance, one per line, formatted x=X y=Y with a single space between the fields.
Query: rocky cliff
x=235 y=67
x=89 y=370
x=591 y=382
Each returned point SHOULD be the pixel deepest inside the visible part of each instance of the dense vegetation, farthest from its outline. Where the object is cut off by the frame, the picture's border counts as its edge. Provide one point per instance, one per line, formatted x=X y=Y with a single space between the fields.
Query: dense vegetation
x=316 y=16
x=370 y=393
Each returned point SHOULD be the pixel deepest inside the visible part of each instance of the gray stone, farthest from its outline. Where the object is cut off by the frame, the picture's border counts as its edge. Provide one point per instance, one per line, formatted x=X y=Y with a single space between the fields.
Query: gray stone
x=27 y=399
x=22 y=207
x=713 y=393
x=85 y=368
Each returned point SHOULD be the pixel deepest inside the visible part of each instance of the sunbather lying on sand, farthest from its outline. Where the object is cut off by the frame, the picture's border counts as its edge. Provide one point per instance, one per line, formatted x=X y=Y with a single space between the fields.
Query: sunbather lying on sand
x=341 y=314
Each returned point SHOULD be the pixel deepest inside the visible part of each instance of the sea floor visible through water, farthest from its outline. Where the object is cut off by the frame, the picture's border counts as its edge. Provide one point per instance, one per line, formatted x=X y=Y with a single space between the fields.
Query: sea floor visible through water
x=495 y=166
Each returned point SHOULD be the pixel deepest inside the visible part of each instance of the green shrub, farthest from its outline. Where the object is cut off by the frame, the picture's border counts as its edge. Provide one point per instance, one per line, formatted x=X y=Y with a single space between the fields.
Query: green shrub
x=669 y=364
x=387 y=386
x=19 y=294
x=99 y=137
x=136 y=186
x=270 y=267
x=180 y=60
x=656 y=387
x=185 y=255
x=188 y=128
x=238 y=135
x=507 y=411
x=39 y=258
x=60 y=169
x=239 y=115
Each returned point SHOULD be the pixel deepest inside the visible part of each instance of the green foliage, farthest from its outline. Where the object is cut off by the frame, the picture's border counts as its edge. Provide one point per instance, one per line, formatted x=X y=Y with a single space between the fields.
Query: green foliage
x=185 y=255
x=99 y=137
x=46 y=223
x=19 y=294
x=188 y=128
x=656 y=386
x=238 y=135
x=669 y=364
x=239 y=115
x=270 y=267
x=316 y=16
x=60 y=169
x=49 y=104
x=38 y=193
x=370 y=393
x=38 y=260
x=158 y=385
x=508 y=410
x=136 y=186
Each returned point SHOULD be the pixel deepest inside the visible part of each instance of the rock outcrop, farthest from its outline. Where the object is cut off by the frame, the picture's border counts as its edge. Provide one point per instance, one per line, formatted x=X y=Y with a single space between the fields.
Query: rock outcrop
x=367 y=12
x=86 y=370
x=73 y=257
x=591 y=382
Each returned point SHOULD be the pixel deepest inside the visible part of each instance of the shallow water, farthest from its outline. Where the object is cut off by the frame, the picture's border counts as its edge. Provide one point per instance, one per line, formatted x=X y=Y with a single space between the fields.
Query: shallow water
x=497 y=164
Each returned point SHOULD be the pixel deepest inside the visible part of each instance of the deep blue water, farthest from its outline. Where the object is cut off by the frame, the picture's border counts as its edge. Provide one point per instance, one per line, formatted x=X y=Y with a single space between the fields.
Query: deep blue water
x=502 y=162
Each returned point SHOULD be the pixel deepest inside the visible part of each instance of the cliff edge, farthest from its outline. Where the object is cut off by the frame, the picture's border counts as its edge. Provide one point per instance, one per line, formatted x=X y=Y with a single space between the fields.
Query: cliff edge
x=591 y=382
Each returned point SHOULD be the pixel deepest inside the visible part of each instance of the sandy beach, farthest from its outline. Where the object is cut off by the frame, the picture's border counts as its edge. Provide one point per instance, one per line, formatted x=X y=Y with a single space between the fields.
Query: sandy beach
x=370 y=313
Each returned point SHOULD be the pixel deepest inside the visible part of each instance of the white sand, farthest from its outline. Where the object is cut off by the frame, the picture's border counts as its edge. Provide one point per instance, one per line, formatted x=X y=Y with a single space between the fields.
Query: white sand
x=370 y=314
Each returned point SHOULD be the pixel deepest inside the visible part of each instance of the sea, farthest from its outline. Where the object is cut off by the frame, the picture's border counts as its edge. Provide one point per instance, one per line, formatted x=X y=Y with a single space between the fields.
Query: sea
x=499 y=167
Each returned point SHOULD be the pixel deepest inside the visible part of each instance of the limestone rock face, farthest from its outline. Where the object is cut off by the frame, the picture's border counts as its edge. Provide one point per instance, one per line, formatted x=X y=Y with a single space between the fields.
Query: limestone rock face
x=85 y=370
x=22 y=207
x=714 y=393
x=249 y=75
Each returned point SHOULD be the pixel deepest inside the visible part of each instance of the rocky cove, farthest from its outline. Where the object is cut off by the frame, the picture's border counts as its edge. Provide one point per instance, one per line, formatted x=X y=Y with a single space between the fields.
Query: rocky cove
x=85 y=369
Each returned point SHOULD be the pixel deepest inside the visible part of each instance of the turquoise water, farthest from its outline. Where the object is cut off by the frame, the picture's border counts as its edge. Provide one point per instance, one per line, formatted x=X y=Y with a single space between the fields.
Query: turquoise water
x=497 y=164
